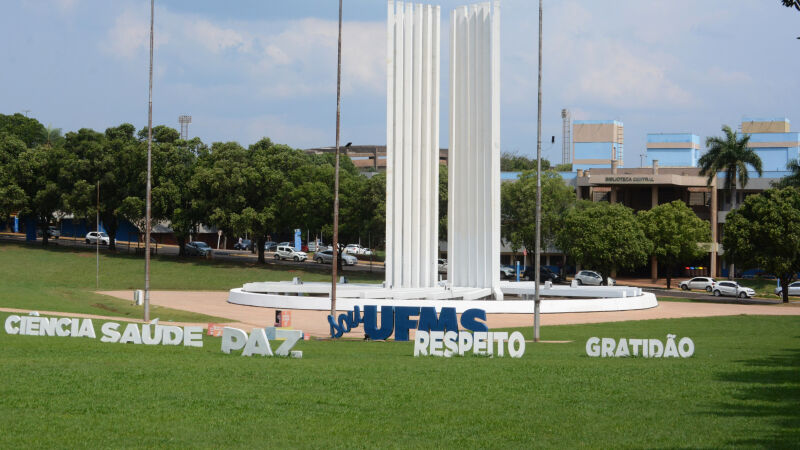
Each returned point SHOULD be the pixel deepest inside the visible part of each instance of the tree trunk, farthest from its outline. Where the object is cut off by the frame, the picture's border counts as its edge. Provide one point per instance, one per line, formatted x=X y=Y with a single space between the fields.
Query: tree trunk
x=669 y=277
x=181 y=246
x=260 y=242
x=43 y=225
x=731 y=267
x=111 y=231
x=785 y=281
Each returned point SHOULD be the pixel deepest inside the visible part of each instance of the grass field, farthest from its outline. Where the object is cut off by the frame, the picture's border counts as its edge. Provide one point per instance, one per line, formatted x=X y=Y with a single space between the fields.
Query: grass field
x=63 y=279
x=741 y=388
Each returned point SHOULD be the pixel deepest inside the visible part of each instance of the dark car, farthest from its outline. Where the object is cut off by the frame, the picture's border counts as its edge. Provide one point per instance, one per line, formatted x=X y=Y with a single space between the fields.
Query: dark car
x=246 y=244
x=545 y=274
x=270 y=246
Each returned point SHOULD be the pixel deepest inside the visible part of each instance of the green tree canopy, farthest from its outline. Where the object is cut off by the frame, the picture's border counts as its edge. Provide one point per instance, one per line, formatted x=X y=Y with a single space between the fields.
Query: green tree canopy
x=765 y=231
x=115 y=160
x=793 y=179
x=12 y=197
x=27 y=129
x=173 y=167
x=675 y=231
x=39 y=179
x=514 y=162
x=518 y=206
x=604 y=237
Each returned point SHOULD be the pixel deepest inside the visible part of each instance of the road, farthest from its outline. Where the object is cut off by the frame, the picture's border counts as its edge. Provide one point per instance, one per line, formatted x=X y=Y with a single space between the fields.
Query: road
x=221 y=255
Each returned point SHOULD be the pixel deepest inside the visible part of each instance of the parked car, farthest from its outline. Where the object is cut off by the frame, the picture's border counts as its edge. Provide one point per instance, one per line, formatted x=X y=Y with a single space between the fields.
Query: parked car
x=53 y=232
x=246 y=244
x=545 y=274
x=357 y=249
x=286 y=252
x=270 y=246
x=197 y=248
x=794 y=289
x=93 y=237
x=705 y=283
x=326 y=257
x=285 y=244
x=590 y=277
x=733 y=289
x=442 y=263
x=507 y=272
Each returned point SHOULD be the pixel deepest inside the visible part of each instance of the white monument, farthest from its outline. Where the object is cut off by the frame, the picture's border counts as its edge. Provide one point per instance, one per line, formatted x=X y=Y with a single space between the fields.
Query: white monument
x=473 y=216
x=412 y=145
x=412 y=183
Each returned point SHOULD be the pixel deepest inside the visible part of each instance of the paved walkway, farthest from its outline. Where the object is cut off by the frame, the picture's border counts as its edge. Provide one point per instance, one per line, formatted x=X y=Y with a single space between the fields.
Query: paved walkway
x=315 y=322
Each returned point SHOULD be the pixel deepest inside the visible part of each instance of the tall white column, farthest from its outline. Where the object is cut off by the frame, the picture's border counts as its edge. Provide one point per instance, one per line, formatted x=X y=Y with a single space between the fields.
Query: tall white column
x=474 y=171
x=412 y=144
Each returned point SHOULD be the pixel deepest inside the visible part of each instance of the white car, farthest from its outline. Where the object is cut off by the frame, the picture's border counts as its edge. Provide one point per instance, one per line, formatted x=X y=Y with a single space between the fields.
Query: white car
x=590 y=277
x=286 y=252
x=733 y=289
x=794 y=289
x=705 y=283
x=93 y=236
x=357 y=249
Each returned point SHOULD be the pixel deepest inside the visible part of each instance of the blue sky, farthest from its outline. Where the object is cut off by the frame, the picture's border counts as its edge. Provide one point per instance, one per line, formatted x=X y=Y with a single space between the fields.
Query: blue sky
x=245 y=69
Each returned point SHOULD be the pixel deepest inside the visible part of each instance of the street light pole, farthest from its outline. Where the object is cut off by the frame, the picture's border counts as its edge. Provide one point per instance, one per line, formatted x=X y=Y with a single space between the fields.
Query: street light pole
x=334 y=263
x=149 y=162
x=538 y=251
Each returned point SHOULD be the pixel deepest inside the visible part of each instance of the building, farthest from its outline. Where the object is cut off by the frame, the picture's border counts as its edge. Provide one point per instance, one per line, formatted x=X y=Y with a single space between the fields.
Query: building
x=673 y=149
x=596 y=143
x=673 y=174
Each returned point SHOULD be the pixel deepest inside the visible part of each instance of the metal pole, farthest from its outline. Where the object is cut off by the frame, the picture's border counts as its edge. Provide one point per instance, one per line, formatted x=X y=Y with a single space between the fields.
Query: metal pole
x=538 y=251
x=336 y=171
x=149 y=153
x=97 y=241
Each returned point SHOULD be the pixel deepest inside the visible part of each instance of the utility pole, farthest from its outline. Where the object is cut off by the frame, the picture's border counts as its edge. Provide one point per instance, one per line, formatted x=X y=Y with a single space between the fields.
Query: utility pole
x=97 y=241
x=149 y=162
x=538 y=252
x=335 y=252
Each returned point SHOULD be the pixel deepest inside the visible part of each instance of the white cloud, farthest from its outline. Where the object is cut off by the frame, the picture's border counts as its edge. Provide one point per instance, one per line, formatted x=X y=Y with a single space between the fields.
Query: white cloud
x=294 y=58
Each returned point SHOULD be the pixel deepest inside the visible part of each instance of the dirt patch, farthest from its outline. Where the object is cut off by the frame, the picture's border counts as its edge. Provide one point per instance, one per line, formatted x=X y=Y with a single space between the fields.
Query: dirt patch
x=105 y=307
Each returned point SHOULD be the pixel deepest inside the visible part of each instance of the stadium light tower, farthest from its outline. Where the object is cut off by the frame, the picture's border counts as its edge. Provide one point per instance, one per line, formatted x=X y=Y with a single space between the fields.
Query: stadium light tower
x=184 y=121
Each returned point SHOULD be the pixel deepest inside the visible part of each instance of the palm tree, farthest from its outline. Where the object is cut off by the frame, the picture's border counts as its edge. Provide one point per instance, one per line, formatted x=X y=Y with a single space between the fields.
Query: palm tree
x=729 y=154
x=792 y=179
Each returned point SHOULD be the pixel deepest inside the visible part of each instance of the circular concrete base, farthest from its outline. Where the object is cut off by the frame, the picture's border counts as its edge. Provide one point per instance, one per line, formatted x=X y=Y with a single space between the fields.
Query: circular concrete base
x=555 y=299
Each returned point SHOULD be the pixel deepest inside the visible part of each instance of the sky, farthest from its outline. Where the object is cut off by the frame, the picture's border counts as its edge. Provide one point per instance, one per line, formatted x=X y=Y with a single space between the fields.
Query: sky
x=251 y=68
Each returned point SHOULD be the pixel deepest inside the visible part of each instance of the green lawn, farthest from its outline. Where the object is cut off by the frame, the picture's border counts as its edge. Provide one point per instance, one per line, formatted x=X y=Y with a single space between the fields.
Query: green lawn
x=63 y=279
x=740 y=389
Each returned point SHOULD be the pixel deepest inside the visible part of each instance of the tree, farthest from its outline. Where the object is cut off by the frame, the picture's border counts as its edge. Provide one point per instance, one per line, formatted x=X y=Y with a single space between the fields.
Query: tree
x=791 y=4
x=172 y=197
x=793 y=179
x=514 y=162
x=729 y=154
x=12 y=198
x=53 y=136
x=606 y=237
x=29 y=130
x=115 y=160
x=565 y=167
x=676 y=232
x=764 y=232
x=518 y=206
x=40 y=178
